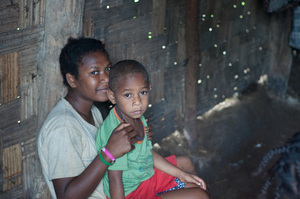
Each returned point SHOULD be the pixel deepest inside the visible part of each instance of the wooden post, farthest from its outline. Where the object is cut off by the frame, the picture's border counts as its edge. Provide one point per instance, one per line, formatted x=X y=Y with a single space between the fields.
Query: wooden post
x=281 y=54
x=63 y=19
x=191 y=76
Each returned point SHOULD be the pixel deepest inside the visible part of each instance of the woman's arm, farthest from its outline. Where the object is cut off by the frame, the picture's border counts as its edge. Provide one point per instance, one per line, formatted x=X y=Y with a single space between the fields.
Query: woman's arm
x=163 y=165
x=116 y=188
x=84 y=185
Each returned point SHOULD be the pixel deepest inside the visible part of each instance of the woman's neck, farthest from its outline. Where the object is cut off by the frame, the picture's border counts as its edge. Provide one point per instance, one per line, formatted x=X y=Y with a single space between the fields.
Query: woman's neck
x=82 y=107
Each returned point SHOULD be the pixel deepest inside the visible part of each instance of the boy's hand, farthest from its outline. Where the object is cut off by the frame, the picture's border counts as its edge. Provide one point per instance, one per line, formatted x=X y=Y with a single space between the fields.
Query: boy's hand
x=192 y=179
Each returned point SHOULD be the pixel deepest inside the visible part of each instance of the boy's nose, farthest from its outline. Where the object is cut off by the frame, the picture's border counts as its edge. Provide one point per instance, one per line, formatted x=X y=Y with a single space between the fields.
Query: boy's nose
x=136 y=100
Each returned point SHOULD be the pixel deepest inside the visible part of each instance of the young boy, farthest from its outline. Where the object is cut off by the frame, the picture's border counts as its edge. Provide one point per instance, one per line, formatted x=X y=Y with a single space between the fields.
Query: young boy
x=133 y=175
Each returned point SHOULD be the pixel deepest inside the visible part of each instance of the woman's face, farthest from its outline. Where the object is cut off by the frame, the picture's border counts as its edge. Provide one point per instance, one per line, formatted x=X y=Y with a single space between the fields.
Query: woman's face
x=92 y=82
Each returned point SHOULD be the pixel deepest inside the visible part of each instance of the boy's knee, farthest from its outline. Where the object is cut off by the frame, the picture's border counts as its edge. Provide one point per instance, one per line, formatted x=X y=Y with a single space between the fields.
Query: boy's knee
x=186 y=164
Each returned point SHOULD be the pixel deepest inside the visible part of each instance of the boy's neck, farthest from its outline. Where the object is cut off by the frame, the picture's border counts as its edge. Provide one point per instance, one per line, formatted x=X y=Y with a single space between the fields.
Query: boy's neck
x=136 y=123
x=124 y=117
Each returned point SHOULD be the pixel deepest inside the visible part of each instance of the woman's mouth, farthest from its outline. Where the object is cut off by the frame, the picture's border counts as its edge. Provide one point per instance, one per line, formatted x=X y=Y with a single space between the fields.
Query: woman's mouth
x=102 y=89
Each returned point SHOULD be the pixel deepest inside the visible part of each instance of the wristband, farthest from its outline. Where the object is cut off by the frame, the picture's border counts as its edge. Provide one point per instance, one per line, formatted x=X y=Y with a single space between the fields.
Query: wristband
x=113 y=159
x=102 y=159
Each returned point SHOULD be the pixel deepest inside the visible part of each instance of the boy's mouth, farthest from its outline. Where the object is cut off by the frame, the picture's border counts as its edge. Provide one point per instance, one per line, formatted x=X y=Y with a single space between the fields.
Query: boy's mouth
x=137 y=112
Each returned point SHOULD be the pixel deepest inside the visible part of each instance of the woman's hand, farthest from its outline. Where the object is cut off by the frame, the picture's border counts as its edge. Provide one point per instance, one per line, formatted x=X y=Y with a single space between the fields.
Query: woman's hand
x=149 y=129
x=192 y=179
x=121 y=140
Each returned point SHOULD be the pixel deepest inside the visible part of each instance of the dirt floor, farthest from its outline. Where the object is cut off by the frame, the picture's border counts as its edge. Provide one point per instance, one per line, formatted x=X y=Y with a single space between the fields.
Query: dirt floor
x=233 y=138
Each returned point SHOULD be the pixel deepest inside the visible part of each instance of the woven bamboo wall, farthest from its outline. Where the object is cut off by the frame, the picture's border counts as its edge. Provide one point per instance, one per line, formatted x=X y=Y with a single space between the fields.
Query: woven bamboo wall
x=21 y=23
x=234 y=41
x=235 y=51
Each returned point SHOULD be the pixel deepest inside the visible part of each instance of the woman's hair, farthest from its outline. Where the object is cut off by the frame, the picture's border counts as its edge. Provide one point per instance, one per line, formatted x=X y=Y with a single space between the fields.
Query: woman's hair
x=286 y=169
x=73 y=52
x=122 y=68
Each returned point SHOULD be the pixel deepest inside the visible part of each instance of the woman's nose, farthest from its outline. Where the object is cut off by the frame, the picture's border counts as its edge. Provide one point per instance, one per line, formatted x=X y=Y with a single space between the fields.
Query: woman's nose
x=104 y=77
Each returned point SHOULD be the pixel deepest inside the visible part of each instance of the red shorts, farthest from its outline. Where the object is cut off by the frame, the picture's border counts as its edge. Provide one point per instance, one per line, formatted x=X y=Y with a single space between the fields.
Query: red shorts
x=159 y=182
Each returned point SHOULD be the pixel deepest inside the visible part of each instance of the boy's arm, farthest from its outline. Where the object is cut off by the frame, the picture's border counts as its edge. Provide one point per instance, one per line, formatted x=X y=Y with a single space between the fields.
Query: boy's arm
x=163 y=165
x=116 y=188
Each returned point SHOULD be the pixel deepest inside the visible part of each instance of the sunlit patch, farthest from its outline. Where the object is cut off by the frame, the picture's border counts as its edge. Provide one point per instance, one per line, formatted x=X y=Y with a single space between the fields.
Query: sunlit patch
x=219 y=107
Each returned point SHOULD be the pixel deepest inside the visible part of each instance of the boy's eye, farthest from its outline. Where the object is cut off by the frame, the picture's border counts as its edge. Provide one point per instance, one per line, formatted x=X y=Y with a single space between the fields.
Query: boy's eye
x=127 y=95
x=108 y=68
x=144 y=92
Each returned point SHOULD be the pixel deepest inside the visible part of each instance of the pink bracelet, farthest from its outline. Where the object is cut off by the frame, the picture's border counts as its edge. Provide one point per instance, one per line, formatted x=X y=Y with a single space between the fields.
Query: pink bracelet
x=113 y=159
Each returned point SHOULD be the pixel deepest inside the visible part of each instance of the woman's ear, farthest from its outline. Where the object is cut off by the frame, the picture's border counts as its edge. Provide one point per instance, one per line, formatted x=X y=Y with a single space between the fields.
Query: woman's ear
x=71 y=80
x=111 y=96
x=150 y=87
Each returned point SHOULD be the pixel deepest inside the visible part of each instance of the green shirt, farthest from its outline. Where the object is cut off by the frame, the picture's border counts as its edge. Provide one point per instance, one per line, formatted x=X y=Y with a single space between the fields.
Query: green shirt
x=137 y=165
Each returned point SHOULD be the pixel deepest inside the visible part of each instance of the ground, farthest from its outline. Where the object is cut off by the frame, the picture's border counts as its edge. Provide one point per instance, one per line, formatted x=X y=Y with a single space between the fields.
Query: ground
x=233 y=137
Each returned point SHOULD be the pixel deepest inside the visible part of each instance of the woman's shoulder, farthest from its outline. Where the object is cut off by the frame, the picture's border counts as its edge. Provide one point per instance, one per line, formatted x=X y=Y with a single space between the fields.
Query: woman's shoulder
x=62 y=116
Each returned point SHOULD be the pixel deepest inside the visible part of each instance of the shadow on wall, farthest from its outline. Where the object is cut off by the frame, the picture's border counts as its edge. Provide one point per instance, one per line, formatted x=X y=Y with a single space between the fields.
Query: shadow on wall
x=234 y=136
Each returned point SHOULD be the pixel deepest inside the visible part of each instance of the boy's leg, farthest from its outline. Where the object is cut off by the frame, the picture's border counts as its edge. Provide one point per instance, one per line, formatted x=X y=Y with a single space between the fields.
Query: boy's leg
x=159 y=182
x=185 y=163
x=191 y=193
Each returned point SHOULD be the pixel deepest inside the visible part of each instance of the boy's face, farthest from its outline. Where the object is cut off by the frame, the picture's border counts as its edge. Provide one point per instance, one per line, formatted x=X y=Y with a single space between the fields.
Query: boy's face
x=131 y=95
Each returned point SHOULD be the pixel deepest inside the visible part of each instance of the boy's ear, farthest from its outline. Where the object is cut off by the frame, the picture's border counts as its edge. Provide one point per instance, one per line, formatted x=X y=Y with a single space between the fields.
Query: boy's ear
x=150 y=87
x=111 y=96
x=71 y=80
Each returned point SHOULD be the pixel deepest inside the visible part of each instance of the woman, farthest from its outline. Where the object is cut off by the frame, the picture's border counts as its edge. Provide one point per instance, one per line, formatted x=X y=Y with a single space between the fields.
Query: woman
x=66 y=142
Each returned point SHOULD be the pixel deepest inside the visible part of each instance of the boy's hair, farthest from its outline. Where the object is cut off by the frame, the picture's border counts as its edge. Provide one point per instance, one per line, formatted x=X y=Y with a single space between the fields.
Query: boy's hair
x=73 y=52
x=286 y=169
x=122 y=68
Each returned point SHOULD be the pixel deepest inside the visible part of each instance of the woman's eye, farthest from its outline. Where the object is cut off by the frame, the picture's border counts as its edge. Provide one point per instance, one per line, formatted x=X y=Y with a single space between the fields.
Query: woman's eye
x=144 y=92
x=95 y=72
x=108 y=68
